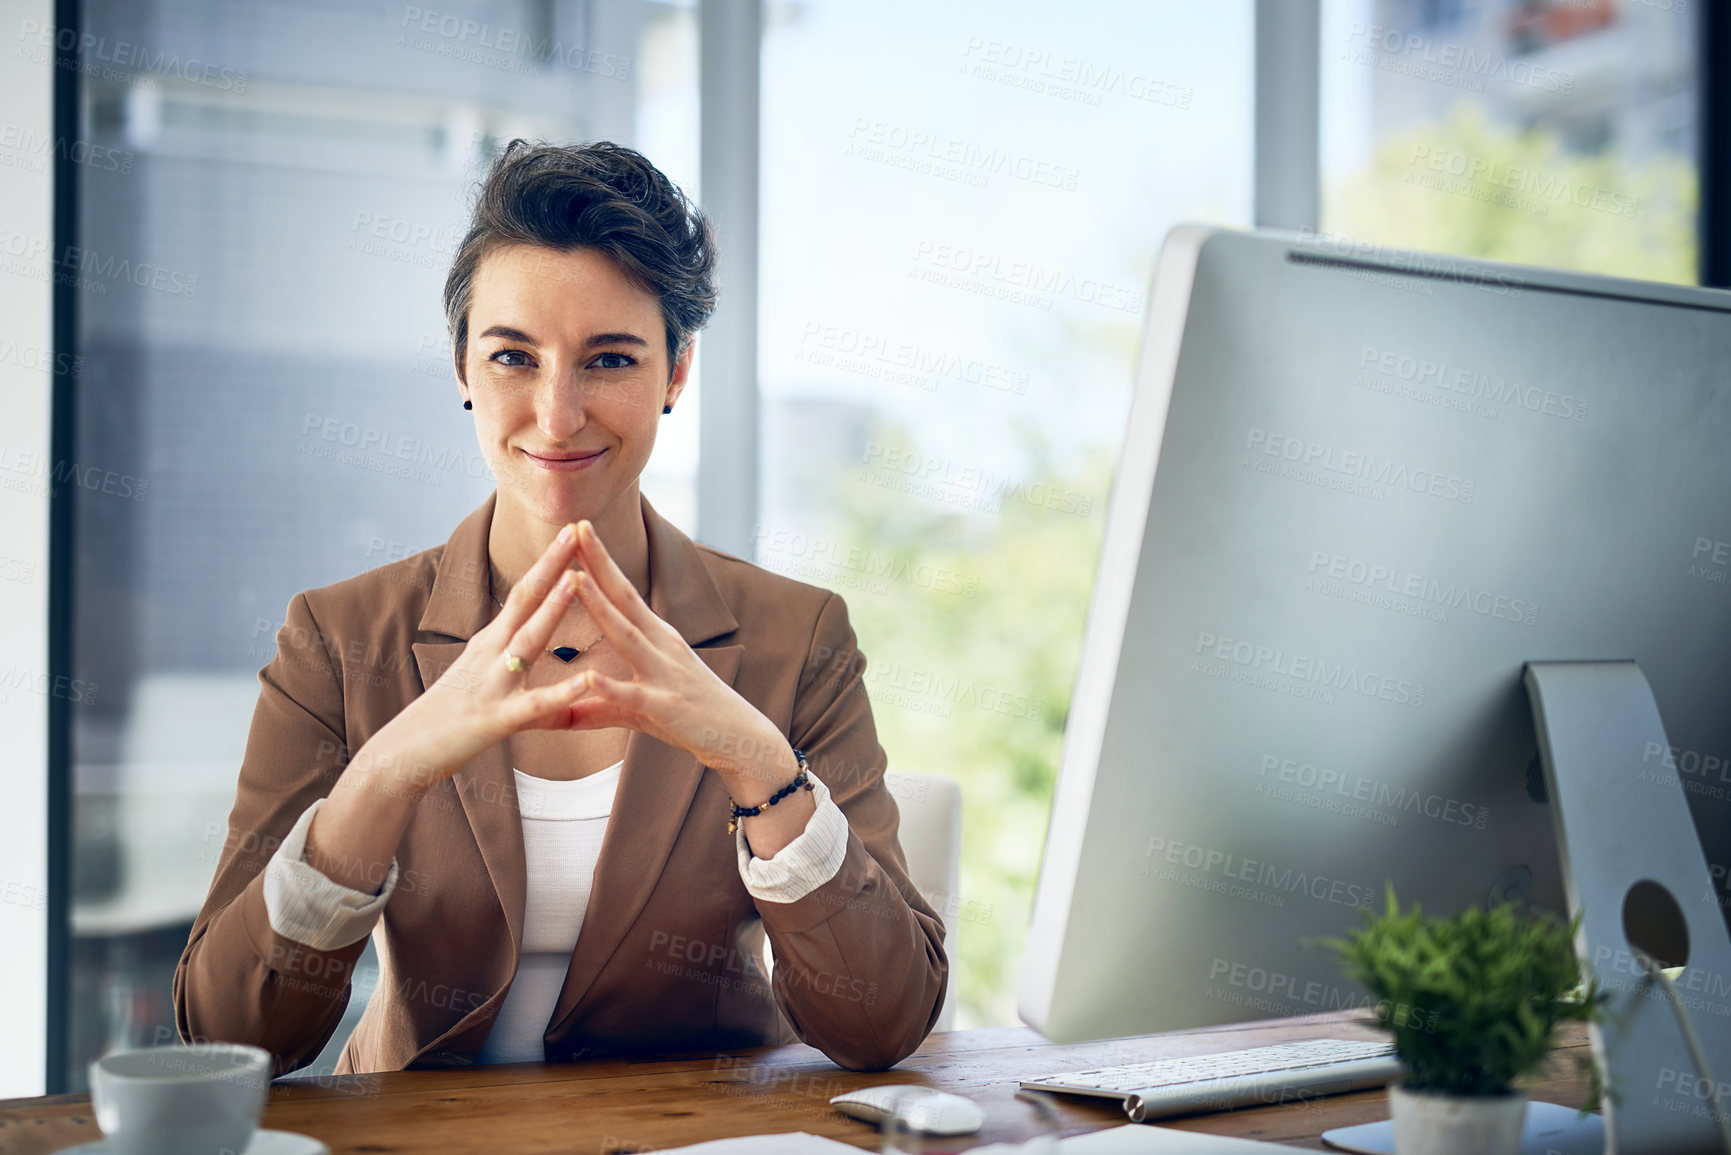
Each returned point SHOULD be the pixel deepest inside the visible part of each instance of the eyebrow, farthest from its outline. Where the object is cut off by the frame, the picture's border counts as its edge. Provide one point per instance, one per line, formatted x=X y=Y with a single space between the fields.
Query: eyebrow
x=511 y=334
x=616 y=339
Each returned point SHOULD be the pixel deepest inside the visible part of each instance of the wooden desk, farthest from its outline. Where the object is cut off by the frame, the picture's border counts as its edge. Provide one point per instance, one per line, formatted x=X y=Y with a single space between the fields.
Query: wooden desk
x=611 y=1107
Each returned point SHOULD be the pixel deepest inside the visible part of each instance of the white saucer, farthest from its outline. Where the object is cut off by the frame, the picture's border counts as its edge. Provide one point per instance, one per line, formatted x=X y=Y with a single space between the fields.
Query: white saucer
x=263 y=1143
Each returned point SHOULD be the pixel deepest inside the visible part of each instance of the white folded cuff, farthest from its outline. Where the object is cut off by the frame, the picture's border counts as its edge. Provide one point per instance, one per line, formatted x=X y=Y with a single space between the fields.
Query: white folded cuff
x=804 y=864
x=310 y=908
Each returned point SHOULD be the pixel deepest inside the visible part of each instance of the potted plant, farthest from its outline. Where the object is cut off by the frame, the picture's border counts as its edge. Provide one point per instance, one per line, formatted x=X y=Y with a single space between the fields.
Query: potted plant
x=1472 y=1002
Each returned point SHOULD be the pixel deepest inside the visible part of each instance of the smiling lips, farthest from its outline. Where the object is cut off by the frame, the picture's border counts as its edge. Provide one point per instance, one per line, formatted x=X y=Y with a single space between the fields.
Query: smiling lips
x=566 y=462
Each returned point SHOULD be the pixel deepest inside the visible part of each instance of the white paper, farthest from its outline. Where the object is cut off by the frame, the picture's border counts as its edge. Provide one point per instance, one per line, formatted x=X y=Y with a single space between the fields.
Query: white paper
x=788 y=1143
x=1143 y=1139
x=1130 y=1139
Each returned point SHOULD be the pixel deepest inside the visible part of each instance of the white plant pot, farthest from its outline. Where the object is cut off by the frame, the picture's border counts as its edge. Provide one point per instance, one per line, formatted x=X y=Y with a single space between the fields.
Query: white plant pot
x=1429 y=1124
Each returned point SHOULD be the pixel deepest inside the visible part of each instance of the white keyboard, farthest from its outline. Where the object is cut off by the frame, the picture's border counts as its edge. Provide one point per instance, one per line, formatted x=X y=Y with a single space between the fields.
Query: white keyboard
x=1220 y=1082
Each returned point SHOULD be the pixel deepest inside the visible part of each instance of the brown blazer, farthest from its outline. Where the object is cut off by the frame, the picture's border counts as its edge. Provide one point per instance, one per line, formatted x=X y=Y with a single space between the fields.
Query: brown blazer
x=666 y=958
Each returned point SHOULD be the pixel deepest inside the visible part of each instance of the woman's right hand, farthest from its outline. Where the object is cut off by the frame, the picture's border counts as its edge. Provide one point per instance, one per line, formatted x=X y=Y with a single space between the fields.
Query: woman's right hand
x=478 y=700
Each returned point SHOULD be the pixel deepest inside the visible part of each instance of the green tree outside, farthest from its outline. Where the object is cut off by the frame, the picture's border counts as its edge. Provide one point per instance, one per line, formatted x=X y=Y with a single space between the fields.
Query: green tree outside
x=977 y=688
x=1519 y=196
x=1469 y=186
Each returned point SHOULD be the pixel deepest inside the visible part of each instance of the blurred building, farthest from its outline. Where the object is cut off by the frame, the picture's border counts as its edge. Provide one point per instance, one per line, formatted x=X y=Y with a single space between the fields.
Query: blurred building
x=1602 y=74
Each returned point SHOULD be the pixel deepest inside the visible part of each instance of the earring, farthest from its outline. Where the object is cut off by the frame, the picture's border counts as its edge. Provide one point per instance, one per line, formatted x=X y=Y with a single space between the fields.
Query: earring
x=665 y=409
x=468 y=405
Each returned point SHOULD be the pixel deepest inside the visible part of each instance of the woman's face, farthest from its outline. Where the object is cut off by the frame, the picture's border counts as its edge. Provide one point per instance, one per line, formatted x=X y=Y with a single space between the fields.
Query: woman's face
x=567 y=367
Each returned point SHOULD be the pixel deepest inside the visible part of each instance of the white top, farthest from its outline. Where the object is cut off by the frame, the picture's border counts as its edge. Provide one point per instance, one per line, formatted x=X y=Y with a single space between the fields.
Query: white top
x=563 y=826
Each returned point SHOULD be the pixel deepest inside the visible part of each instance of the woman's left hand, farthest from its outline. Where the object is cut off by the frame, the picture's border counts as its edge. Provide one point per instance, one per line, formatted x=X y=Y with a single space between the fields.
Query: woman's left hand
x=672 y=695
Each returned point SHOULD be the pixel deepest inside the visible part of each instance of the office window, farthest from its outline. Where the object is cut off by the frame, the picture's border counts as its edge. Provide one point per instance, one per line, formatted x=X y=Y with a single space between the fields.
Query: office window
x=962 y=204
x=1547 y=132
x=274 y=401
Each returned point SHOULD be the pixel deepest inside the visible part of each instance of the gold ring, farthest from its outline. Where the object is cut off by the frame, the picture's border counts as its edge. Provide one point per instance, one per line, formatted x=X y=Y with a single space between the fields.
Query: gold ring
x=515 y=664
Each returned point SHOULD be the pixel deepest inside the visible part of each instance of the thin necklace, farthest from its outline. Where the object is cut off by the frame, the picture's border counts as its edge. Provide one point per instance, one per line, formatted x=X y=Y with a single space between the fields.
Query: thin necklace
x=564 y=653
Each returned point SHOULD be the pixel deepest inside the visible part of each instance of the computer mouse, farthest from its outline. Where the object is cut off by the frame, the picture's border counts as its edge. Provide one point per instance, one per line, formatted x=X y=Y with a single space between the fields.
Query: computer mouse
x=931 y=1112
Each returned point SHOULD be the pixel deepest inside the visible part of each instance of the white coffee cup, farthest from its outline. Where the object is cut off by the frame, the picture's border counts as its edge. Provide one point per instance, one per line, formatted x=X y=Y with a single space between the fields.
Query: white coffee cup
x=204 y=1099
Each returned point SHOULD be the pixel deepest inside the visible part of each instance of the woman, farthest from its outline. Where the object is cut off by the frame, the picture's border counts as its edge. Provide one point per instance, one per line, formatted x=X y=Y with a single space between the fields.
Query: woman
x=517 y=760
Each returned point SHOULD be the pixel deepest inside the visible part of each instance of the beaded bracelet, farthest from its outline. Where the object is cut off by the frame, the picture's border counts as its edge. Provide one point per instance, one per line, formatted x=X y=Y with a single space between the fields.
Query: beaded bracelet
x=800 y=780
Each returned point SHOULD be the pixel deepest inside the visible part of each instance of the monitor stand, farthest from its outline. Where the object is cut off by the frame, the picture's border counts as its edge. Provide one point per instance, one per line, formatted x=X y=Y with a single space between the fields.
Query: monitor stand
x=1635 y=873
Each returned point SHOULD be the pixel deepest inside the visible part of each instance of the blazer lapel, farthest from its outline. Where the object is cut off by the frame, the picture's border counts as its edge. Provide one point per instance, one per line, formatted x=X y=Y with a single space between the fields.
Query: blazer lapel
x=459 y=604
x=488 y=791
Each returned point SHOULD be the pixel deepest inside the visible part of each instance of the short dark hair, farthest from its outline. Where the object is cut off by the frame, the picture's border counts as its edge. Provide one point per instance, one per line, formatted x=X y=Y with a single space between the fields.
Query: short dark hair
x=600 y=196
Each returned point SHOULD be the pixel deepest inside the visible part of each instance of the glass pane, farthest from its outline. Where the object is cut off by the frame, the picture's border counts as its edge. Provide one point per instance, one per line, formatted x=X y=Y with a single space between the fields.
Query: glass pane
x=267 y=398
x=962 y=204
x=1547 y=132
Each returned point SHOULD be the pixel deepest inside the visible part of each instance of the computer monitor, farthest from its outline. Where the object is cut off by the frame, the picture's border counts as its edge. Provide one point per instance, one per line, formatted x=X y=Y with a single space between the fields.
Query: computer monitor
x=1360 y=489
